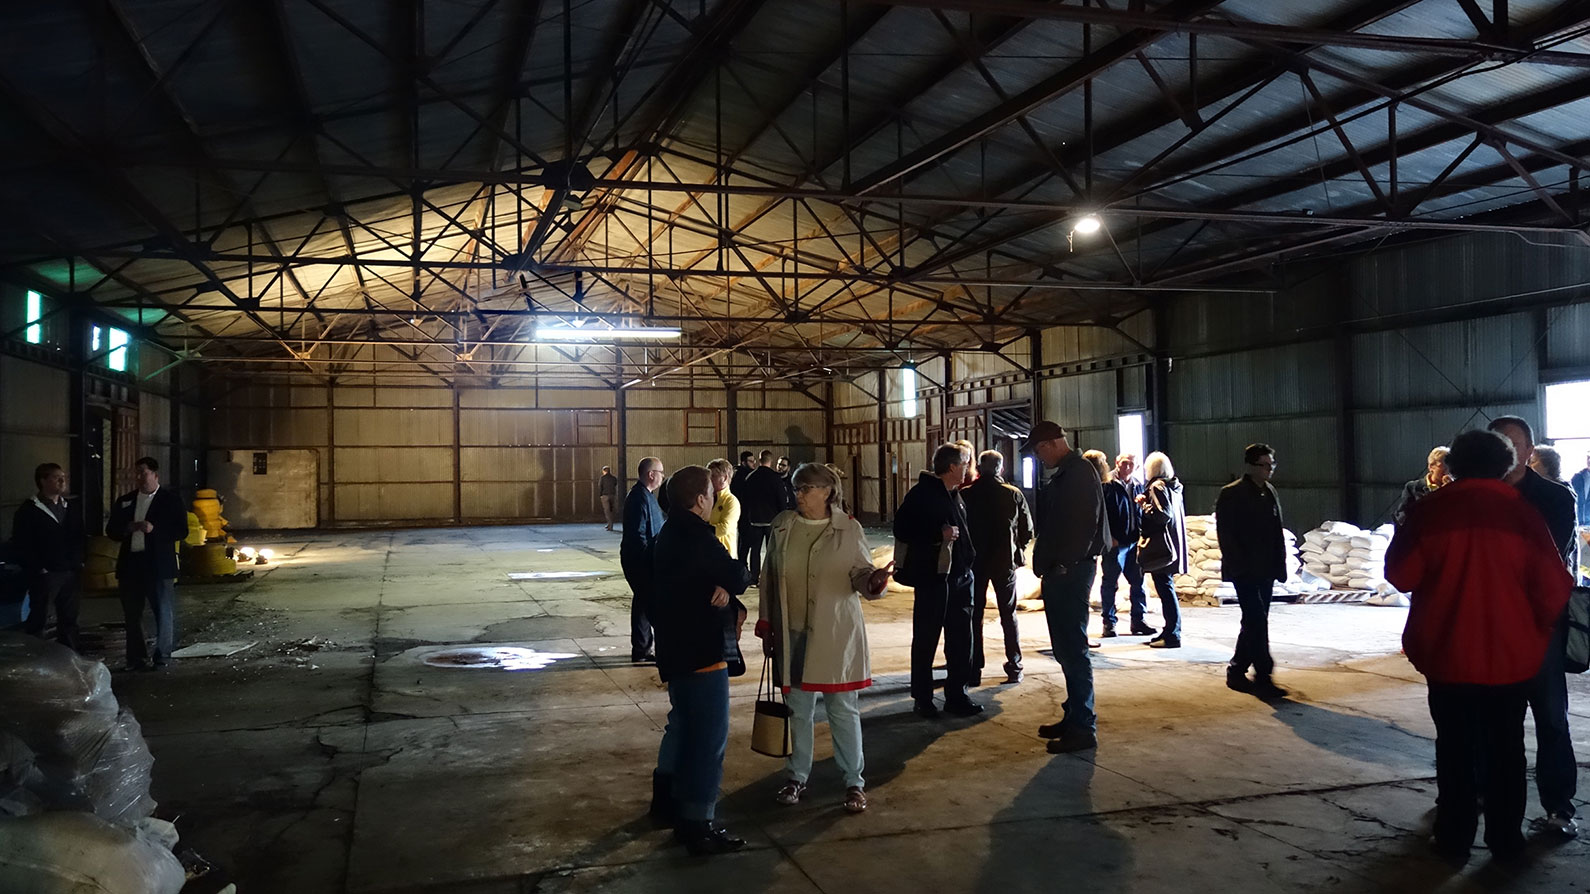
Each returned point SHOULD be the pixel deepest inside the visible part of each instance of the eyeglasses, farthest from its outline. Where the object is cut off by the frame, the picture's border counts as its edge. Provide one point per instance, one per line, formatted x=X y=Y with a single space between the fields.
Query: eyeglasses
x=806 y=487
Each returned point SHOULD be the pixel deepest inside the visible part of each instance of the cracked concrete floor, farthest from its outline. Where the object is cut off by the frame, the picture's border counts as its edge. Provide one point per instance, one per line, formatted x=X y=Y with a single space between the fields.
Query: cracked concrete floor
x=349 y=764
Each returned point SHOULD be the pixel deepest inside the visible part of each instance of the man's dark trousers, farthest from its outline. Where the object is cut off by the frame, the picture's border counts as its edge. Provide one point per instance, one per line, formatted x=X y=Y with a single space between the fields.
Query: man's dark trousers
x=1556 y=771
x=1479 y=727
x=60 y=588
x=141 y=585
x=943 y=602
x=1253 y=642
x=751 y=546
x=638 y=573
x=1118 y=562
x=1004 y=583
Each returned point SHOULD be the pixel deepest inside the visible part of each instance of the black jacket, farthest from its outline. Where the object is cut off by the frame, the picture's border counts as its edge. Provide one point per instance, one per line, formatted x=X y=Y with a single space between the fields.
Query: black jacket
x=692 y=633
x=1001 y=526
x=1122 y=511
x=1249 y=524
x=762 y=496
x=919 y=522
x=1072 y=527
x=1557 y=504
x=1165 y=506
x=737 y=483
x=41 y=543
x=1412 y=492
x=170 y=521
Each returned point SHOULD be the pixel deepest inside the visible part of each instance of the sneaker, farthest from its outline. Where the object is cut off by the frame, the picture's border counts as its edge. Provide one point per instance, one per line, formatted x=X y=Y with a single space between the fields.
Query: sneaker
x=1073 y=741
x=790 y=793
x=1558 y=824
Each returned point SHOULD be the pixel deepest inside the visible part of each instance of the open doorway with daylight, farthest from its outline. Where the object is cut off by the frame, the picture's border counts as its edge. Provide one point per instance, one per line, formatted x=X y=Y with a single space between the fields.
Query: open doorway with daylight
x=1568 y=424
x=1131 y=437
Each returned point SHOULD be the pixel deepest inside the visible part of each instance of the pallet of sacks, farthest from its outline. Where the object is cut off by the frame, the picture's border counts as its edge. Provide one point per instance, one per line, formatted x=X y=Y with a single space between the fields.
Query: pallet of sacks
x=1201 y=585
x=1351 y=559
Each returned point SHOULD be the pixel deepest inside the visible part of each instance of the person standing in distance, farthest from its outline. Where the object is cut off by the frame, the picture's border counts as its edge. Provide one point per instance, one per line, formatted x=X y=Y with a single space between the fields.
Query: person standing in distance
x=1556 y=769
x=643 y=521
x=1249 y=526
x=1072 y=532
x=148 y=522
x=1120 y=557
x=765 y=492
x=1001 y=528
x=47 y=535
x=607 y=489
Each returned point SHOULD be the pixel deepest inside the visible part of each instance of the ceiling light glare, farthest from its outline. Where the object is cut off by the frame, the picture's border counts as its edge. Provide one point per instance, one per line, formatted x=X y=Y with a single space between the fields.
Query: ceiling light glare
x=1088 y=224
x=601 y=333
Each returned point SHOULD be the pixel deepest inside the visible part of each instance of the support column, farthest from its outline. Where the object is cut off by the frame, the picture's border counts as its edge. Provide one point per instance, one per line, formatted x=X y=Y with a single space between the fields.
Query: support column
x=1346 y=420
x=1159 y=384
x=1035 y=363
x=331 y=453
x=731 y=429
x=174 y=429
x=458 y=463
x=77 y=418
x=619 y=404
x=884 y=474
x=828 y=423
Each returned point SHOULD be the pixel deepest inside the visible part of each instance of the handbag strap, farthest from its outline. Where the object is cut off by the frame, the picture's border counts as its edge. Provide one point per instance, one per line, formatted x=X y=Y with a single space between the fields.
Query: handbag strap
x=766 y=687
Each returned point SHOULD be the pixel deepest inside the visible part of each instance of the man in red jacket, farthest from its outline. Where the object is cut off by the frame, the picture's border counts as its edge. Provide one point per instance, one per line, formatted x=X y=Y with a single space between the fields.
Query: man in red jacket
x=1487 y=589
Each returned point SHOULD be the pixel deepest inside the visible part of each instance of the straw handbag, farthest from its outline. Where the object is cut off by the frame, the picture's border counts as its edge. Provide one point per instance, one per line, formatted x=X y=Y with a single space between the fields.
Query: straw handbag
x=770 y=727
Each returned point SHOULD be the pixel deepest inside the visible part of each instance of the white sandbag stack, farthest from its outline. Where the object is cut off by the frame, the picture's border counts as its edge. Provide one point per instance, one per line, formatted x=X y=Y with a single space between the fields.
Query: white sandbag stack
x=1347 y=556
x=1203 y=562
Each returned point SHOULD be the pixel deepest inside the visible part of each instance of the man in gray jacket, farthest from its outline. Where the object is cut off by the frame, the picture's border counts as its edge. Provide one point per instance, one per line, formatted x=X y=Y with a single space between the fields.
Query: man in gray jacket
x=1072 y=532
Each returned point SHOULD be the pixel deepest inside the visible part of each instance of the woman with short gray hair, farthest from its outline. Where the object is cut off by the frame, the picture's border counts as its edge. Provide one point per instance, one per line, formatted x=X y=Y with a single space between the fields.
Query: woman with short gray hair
x=818 y=565
x=1162 y=510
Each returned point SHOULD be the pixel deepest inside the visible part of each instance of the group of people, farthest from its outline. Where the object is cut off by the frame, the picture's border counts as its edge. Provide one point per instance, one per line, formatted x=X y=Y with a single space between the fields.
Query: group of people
x=1486 y=545
x=813 y=566
x=957 y=535
x=48 y=534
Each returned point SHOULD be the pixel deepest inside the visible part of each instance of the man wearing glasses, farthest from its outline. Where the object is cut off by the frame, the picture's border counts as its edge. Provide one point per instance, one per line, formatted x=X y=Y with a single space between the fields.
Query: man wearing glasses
x=1253 y=560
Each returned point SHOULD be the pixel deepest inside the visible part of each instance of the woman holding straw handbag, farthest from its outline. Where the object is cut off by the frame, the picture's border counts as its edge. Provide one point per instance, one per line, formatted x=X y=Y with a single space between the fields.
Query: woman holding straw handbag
x=818 y=567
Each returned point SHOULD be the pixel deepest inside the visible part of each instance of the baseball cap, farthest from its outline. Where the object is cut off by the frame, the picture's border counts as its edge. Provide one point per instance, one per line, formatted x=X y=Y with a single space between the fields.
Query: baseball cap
x=1043 y=431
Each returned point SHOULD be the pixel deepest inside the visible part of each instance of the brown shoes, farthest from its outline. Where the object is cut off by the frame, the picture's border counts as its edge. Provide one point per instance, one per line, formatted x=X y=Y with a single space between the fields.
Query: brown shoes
x=855 y=799
x=790 y=793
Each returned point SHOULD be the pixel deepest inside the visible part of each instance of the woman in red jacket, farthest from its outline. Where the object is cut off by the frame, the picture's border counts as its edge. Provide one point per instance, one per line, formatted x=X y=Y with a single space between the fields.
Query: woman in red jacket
x=1487 y=588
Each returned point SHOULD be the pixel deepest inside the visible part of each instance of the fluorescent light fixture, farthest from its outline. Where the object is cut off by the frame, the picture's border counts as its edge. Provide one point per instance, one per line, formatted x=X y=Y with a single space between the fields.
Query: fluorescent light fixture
x=908 y=403
x=601 y=333
x=1087 y=225
x=631 y=383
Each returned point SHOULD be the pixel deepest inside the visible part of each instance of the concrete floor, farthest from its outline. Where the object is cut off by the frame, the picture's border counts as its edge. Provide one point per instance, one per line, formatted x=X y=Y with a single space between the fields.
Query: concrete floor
x=350 y=765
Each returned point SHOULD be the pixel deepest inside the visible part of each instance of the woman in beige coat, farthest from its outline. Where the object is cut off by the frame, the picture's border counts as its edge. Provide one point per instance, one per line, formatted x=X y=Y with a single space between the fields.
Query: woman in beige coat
x=818 y=565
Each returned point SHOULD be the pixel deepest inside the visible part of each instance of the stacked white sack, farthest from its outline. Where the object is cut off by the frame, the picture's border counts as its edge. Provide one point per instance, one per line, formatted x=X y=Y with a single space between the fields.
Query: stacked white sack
x=1348 y=556
x=1203 y=572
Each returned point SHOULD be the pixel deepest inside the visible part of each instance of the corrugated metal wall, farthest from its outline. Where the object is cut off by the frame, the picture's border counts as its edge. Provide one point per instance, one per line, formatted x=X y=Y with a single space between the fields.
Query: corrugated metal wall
x=33 y=428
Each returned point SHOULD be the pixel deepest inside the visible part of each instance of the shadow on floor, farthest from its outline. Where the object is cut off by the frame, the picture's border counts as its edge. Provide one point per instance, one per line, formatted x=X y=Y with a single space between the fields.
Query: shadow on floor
x=1353 y=735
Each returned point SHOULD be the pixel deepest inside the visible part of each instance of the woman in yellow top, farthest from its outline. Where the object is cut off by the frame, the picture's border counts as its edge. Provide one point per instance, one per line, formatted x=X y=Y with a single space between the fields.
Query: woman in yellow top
x=818 y=566
x=725 y=506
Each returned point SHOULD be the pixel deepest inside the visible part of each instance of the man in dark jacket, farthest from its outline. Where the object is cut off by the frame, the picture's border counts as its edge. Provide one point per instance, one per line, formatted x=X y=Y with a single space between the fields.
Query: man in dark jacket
x=47 y=537
x=1120 y=556
x=931 y=522
x=643 y=520
x=1072 y=531
x=1253 y=559
x=698 y=618
x=607 y=489
x=763 y=500
x=1556 y=770
x=1001 y=528
x=737 y=487
x=149 y=522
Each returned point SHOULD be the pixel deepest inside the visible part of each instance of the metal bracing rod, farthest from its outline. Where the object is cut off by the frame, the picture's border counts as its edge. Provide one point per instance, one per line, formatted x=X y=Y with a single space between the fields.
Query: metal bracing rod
x=1172 y=23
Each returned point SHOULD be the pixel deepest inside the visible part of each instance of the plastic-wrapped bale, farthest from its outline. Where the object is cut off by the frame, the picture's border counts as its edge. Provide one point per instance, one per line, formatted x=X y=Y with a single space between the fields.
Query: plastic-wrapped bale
x=79 y=750
x=66 y=852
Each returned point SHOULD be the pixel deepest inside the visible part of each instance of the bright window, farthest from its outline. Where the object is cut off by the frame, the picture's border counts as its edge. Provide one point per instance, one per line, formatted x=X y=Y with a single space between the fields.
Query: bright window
x=1029 y=473
x=35 y=330
x=1568 y=422
x=95 y=336
x=117 y=358
x=1129 y=434
x=908 y=392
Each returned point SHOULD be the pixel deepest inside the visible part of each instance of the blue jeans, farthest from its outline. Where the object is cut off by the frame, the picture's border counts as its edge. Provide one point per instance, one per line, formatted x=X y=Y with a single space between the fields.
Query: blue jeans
x=1065 y=607
x=695 y=740
x=1118 y=562
x=1253 y=638
x=140 y=586
x=1169 y=608
x=1556 y=772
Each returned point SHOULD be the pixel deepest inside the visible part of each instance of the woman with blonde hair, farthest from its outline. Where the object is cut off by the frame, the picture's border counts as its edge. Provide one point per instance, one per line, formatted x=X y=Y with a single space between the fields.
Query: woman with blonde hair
x=725 y=506
x=1164 y=518
x=818 y=567
x=1435 y=477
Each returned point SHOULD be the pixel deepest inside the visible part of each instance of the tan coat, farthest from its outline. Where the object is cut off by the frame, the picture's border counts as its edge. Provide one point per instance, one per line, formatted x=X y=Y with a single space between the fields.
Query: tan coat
x=836 y=639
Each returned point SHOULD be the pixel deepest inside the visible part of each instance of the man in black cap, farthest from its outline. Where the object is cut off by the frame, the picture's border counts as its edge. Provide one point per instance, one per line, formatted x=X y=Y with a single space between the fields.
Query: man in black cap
x=1072 y=532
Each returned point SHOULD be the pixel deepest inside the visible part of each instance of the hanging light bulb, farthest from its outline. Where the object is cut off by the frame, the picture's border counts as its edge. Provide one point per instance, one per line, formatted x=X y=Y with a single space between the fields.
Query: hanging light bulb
x=1088 y=224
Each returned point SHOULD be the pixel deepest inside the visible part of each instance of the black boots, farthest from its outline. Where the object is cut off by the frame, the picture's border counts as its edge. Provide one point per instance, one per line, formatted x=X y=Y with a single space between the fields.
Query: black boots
x=704 y=838
x=664 y=812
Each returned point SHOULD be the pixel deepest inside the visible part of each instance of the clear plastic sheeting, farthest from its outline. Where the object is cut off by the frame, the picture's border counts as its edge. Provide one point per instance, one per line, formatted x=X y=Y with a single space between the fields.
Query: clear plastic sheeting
x=68 y=852
x=64 y=742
